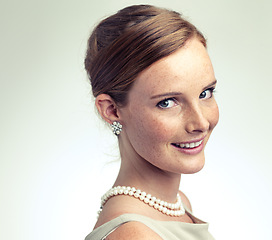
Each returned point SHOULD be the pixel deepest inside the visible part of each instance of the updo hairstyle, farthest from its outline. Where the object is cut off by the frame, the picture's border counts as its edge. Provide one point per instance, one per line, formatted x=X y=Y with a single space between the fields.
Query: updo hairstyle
x=126 y=43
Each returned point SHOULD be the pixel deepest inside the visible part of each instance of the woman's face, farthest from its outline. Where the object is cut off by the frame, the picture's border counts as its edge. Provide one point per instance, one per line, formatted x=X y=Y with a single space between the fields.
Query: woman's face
x=171 y=111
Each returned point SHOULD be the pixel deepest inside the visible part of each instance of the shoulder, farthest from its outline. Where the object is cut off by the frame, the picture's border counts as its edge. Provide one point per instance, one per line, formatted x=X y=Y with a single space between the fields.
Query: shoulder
x=185 y=200
x=135 y=231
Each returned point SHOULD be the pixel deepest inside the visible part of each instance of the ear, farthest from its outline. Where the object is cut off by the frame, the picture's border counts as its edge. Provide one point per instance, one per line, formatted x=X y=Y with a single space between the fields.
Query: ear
x=107 y=108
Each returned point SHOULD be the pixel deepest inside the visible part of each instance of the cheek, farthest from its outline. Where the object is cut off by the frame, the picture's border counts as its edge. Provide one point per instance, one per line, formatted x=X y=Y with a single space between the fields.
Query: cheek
x=153 y=128
x=150 y=138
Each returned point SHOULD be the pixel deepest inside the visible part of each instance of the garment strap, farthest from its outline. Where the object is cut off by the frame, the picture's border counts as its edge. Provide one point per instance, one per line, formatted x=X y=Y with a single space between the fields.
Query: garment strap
x=111 y=231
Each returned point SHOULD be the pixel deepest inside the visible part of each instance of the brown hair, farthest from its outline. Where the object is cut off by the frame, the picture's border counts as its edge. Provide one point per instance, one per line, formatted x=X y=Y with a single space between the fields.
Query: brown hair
x=126 y=43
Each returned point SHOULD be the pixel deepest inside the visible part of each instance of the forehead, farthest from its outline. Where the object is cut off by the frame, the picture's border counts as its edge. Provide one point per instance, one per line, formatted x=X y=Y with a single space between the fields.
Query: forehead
x=189 y=66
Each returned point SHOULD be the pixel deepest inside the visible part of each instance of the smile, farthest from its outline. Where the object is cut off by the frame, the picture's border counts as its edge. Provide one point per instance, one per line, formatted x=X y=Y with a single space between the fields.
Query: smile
x=188 y=145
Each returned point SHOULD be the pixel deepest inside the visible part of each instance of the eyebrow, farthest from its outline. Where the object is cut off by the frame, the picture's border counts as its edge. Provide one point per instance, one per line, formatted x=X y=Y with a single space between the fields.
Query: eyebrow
x=166 y=94
x=179 y=93
x=210 y=85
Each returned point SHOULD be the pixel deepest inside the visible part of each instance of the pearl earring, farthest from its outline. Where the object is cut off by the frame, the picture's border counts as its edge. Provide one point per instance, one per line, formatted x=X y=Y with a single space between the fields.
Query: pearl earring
x=116 y=128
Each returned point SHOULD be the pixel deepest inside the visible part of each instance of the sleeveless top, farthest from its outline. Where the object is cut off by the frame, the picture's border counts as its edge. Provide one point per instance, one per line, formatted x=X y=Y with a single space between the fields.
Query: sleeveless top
x=167 y=230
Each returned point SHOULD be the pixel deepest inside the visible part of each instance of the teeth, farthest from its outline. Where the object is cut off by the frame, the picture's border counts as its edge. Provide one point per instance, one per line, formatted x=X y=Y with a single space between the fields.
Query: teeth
x=190 y=145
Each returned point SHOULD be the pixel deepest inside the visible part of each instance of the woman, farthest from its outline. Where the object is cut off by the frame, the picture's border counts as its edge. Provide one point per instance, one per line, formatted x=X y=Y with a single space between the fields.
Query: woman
x=153 y=82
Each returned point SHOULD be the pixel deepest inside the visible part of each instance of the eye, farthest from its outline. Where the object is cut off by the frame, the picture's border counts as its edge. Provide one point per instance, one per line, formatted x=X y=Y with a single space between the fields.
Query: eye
x=167 y=103
x=207 y=93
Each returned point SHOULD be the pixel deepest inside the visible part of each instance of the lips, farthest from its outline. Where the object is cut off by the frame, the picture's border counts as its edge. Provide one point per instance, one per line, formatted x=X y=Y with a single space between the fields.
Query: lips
x=190 y=148
x=188 y=145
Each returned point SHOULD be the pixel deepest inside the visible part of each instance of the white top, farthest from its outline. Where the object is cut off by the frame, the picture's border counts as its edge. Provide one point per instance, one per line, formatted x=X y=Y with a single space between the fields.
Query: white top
x=172 y=230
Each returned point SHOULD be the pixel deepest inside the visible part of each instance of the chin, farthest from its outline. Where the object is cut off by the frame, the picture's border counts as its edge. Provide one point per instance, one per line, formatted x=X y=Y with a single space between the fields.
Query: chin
x=192 y=170
x=193 y=167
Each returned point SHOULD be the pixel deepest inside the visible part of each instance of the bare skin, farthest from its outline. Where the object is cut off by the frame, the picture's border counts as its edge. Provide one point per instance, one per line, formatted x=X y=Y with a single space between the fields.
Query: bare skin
x=170 y=103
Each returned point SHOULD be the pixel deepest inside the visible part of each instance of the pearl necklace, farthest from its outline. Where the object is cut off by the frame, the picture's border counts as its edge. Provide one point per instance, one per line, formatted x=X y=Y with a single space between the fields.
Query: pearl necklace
x=170 y=209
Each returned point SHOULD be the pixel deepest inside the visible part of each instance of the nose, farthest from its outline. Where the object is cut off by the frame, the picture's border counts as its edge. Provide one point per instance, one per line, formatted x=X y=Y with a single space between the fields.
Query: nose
x=197 y=119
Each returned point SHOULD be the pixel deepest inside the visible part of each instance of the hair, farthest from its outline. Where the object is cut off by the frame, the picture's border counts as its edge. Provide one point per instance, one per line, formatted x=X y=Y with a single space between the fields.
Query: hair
x=124 y=44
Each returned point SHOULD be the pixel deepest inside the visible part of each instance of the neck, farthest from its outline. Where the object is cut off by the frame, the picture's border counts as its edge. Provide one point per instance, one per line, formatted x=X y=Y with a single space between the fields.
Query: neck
x=139 y=173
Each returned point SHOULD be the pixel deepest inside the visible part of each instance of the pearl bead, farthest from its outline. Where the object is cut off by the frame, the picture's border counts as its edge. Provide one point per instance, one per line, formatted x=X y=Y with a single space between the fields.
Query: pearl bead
x=126 y=192
x=148 y=196
x=136 y=195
